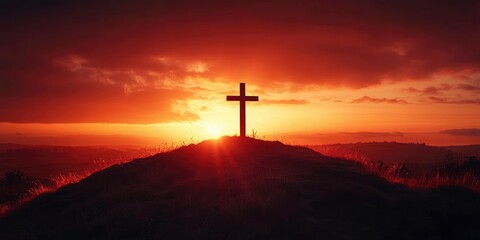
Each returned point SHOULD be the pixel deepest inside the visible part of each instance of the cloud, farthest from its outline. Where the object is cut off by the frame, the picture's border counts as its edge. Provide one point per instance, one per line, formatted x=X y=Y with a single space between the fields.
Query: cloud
x=88 y=52
x=437 y=90
x=284 y=101
x=431 y=90
x=452 y=101
x=462 y=132
x=367 y=99
x=96 y=104
x=373 y=134
x=285 y=41
x=72 y=89
x=469 y=87
x=461 y=93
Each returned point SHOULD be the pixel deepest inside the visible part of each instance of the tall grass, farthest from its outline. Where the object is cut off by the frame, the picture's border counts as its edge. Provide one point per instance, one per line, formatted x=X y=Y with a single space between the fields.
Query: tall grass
x=4 y=209
x=58 y=181
x=41 y=188
x=400 y=174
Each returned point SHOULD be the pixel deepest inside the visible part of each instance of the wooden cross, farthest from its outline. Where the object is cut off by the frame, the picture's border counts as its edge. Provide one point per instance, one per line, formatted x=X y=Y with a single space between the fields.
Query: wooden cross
x=242 y=99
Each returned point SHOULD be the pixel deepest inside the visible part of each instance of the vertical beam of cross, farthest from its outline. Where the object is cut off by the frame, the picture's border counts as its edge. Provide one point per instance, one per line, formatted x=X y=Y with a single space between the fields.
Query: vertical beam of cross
x=242 y=99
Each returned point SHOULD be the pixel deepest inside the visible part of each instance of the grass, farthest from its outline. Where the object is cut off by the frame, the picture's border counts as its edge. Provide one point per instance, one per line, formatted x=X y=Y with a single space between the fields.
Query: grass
x=4 y=209
x=458 y=173
x=39 y=188
x=36 y=187
x=52 y=184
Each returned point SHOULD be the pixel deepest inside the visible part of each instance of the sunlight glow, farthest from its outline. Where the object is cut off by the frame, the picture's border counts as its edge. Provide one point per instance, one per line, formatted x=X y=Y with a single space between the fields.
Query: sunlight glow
x=198 y=67
x=213 y=131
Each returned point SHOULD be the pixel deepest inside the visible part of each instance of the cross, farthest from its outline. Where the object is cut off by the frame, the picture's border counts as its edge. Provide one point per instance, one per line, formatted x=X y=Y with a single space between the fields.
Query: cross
x=242 y=99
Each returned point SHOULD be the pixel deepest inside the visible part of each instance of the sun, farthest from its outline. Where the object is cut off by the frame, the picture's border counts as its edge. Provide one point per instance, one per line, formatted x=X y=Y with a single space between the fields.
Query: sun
x=213 y=131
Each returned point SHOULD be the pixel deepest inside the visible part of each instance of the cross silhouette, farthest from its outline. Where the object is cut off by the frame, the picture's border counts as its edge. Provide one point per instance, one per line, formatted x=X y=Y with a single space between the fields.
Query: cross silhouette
x=242 y=99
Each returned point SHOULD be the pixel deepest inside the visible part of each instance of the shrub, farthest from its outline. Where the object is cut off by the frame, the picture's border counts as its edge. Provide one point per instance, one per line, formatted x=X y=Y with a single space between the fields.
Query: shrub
x=13 y=177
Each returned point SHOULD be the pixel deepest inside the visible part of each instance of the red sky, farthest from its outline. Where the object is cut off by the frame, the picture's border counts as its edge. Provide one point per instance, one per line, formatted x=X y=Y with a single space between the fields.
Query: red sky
x=325 y=71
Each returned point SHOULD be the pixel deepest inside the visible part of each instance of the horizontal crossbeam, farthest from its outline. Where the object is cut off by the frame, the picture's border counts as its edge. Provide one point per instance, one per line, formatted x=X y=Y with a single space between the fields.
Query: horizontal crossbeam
x=242 y=98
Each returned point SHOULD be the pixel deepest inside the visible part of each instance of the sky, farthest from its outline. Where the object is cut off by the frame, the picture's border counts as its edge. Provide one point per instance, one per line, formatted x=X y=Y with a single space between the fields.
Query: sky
x=146 y=72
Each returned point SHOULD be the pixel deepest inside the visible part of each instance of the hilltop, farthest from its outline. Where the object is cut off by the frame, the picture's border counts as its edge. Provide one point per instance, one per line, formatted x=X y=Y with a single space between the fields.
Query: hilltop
x=235 y=188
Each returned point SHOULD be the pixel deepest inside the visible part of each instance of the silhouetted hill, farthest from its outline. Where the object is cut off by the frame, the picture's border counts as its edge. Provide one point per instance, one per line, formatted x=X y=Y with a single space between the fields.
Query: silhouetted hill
x=12 y=146
x=236 y=188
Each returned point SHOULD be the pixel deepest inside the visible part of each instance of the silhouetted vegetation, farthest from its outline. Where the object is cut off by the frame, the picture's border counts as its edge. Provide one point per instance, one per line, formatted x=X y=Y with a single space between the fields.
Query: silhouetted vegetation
x=415 y=165
x=51 y=167
x=13 y=177
x=455 y=169
x=14 y=186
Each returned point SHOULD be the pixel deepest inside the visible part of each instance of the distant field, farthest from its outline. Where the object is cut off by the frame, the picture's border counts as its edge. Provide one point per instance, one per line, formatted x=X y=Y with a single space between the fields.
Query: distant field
x=27 y=171
x=46 y=161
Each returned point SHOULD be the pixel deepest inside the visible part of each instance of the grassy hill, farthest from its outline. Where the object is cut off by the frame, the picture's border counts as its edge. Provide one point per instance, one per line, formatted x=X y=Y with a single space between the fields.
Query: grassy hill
x=28 y=170
x=415 y=165
x=390 y=152
x=235 y=188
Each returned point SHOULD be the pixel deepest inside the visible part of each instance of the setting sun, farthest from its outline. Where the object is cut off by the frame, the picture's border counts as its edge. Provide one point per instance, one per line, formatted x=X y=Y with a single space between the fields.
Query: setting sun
x=213 y=131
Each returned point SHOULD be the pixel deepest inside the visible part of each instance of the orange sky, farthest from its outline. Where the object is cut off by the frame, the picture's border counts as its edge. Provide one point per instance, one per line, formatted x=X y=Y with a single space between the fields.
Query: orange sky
x=146 y=72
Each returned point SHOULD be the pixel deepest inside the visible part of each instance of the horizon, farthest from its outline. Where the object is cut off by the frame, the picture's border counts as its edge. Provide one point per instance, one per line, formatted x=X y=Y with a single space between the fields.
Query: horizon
x=135 y=141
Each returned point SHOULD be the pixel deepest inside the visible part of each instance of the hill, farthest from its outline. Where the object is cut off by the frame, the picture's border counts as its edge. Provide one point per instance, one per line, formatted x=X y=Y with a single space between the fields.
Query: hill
x=28 y=170
x=236 y=188
x=390 y=152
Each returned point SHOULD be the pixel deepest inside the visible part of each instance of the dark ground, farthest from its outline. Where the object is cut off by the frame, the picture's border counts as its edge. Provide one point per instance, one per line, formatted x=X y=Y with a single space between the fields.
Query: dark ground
x=236 y=188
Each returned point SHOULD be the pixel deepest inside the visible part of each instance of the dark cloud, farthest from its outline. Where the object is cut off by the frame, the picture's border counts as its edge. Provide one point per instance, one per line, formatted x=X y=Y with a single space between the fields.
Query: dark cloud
x=367 y=99
x=67 y=52
x=284 y=101
x=373 y=134
x=469 y=87
x=98 y=105
x=69 y=90
x=435 y=92
x=461 y=93
x=452 y=101
x=431 y=90
x=462 y=132
x=437 y=99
